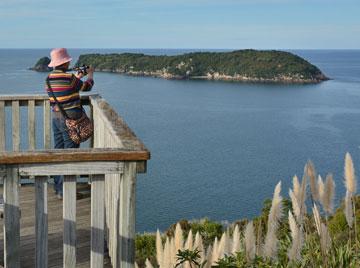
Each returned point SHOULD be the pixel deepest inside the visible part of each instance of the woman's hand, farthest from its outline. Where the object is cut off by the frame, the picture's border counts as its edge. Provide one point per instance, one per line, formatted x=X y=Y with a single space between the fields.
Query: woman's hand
x=91 y=72
x=79 y=75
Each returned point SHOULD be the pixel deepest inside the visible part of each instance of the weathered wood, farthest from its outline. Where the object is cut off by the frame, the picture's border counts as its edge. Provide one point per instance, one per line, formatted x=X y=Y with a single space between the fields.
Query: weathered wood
x=116 y=124
x=24 y=97
x=16 y=125
x=47 y=126
x=41 y=222
x=11 y=218
x=69 y=216
x=31 y=125
x=78 y=168
x=97 y=221
x=127 y=216
x=2 y=126
x=72 y=155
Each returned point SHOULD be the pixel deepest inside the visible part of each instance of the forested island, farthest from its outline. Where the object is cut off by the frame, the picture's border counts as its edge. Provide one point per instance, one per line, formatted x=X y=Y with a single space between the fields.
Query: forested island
x=240 y=65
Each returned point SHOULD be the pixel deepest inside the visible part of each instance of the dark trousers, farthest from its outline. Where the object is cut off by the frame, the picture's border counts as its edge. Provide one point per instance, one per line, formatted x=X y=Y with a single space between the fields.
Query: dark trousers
x=62 y=141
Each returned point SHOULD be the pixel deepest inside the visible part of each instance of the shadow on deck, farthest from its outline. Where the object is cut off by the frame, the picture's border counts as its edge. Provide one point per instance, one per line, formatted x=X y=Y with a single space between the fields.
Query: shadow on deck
x=55 y=235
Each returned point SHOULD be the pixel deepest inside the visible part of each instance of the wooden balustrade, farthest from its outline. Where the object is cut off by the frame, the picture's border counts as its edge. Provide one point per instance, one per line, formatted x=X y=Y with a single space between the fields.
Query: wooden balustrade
x=114 y=160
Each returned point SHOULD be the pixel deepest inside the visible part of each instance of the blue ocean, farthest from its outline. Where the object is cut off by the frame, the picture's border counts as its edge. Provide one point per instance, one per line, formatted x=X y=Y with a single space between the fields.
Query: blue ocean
x=219 y=148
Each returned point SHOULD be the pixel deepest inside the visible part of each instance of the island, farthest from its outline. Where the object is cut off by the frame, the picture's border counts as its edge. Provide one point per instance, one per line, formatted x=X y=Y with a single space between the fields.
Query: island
x=42 y=65
x=246 y=65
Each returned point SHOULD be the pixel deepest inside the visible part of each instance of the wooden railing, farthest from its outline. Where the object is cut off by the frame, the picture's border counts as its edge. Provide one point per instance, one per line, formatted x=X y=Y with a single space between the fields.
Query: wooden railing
x=114 y=159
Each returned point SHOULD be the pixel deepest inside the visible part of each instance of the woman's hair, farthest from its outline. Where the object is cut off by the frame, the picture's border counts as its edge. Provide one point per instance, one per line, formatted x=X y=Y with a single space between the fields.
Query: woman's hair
x=62 y=66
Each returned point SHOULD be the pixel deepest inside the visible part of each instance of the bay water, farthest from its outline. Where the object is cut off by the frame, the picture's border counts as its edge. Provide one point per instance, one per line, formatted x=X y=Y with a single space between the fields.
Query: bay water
x=219 y=148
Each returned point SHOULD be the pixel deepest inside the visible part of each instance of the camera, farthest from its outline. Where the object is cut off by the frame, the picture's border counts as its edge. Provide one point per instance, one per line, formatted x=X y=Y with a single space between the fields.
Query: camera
x=82 y=69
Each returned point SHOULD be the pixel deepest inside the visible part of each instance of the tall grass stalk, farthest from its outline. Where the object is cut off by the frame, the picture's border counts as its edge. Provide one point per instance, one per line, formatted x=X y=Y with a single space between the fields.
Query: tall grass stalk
x=236 y=240
x=351 y=187
x=271 y=241
x=178 y=238
x=297 y=236
x=311 y=174
x=159 y=249
x=189 y=241
x=198 y=244
x=148 y=264
x=249 y=240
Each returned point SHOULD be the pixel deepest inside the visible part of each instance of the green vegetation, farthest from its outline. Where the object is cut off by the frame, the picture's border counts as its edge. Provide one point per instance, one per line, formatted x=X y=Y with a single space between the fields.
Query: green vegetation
x=240 y=65
x=286 y=234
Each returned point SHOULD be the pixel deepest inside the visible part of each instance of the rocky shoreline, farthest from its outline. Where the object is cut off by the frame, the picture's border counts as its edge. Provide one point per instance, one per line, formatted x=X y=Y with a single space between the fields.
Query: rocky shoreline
x=220 y=77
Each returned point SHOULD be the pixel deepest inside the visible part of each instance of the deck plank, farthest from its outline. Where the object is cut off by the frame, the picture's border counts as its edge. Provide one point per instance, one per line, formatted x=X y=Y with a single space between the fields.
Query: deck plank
x=55 y=226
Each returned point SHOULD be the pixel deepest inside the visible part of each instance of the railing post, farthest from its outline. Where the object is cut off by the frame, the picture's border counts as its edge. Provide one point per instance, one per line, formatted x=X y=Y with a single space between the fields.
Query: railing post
x=2 y=126
x=127 y=216
x=47 y=126
x=97 y=221
x=11 y=218
x=31 y=125
x=16 y=125
x=69 y=217
x=41 y=222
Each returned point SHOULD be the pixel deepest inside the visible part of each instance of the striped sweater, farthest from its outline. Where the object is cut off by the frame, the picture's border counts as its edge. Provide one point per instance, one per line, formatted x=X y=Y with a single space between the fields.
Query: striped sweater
x=66 y=88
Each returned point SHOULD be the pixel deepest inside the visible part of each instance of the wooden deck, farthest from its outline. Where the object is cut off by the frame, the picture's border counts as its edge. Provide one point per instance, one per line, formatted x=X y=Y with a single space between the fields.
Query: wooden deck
x=55 y=223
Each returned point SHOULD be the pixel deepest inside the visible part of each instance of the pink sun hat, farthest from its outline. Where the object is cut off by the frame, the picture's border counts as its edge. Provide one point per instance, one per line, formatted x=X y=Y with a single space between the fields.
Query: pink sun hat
x=59 y=56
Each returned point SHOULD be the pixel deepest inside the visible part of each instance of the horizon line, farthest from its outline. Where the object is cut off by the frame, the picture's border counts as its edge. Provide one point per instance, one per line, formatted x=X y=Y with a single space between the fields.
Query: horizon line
x=8 y=48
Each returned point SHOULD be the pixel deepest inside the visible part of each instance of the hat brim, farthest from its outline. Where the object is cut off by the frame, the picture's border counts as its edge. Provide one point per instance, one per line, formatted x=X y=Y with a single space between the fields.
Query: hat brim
x=59 y=62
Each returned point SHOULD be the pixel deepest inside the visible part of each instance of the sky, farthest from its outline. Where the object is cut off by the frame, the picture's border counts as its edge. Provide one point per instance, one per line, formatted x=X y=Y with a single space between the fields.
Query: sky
x=212 y=24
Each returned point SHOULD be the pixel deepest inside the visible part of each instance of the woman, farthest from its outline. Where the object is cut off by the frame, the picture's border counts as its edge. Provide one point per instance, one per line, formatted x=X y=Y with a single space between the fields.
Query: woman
x=66 y=88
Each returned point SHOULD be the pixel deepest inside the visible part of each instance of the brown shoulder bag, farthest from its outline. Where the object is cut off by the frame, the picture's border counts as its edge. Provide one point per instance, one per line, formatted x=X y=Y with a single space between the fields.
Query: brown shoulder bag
x=79 y=130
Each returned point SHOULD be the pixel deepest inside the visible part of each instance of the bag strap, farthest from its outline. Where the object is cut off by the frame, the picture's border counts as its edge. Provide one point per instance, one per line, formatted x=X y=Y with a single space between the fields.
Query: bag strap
x=54 y=97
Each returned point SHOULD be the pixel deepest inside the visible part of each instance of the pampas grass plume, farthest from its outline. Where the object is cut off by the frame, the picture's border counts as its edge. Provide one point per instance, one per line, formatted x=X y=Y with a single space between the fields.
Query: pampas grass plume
x=249 y=241
x=198 y=244
x=148 y=264
x=270 y=246
x=349 y=172
x=215 y=252
x=294 y=252
x=189 y=241
x=167 y=254
x=236 y=240
x=159 y=249
x=348 y=209
x=178 y=238
x=317 y=219
x=296 y=187
x=328 y=195
x=311 y=174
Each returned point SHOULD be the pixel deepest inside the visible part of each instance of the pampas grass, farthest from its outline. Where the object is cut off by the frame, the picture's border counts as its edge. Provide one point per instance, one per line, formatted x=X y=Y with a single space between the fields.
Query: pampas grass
x=251 y=245
x=198 y=244
x=271 y=242
x=349 y=210
x=236 y=240
x=297 y=236
x=249 y=240
x=328 y=196
x=178 y=238
x=311 y=174
x=349 y=174
x=159 y=249
x=148 y=264
x=189 y=241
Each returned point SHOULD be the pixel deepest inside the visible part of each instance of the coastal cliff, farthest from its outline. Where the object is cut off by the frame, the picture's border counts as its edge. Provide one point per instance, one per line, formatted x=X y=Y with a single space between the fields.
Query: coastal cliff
x=241 y=65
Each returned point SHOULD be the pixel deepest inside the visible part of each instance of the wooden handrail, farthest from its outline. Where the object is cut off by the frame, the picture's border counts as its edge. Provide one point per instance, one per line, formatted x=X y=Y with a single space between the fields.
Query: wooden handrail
x=72 y=155
x=38 y=98
x=116 y=125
